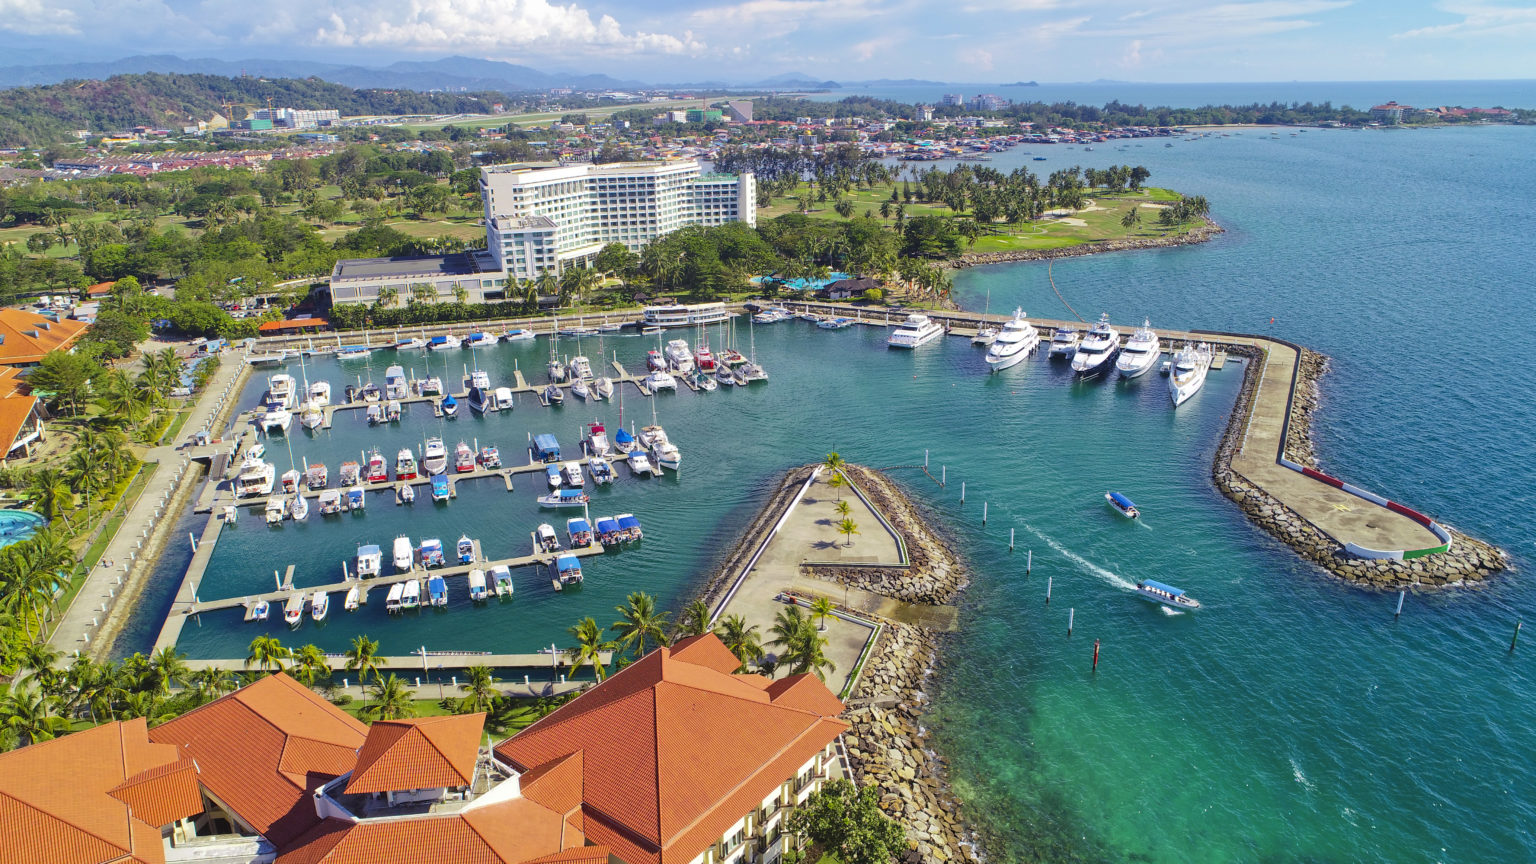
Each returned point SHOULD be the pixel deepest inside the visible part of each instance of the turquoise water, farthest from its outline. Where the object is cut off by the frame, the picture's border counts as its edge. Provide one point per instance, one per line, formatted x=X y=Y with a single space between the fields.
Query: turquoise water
x=18 y=525
x=1291 y=720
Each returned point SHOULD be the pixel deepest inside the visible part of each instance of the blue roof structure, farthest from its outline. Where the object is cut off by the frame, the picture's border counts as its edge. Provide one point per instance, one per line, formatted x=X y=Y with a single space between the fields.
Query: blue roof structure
x=579 y=525
x=629 y=522
x=1177 y=592
x=567 y=563
x=1121 y=499
x=607 y=524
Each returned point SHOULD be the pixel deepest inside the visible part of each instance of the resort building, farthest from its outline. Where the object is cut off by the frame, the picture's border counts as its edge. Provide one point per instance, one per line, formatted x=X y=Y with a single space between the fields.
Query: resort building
x=26 y=336
x=547 y=217
x=1390 y=113
x=426 y=278
x=21 y=417
x=673 y=759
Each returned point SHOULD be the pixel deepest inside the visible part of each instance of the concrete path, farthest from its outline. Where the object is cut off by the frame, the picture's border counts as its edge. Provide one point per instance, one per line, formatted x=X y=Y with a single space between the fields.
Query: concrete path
x=127 y=557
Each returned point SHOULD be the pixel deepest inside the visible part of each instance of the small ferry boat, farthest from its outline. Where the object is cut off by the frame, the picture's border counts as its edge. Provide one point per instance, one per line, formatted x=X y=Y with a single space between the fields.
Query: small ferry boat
x=490 y=457
x=437 y=590
x=554 y=476
x=315 y=475
x=1122 y=505
x=353 y=600
x=1189 y=370
x=370 y=561
x=440 y=490
x=353 y=352
x=566 y=570
x=434 y=459
x=1166 y=595
x=578 y=531
x=1097 y=348
x=544 y=539
x=501 y=577
x=1141 y=352
x=450 y=406
x=481 y=340
x=411 y=597
x=319 y=604
x=395 y=385
x=348 y=474
x=405 y=464
x=501 y=397
x=261 y=610
x=331 y=502
x=293 y=610
x=573 y=476
x=477 y=591
x=623 y=441
x=405 y=555
x=1063 y=342
x=639 y=463
x=396 y=595
x=630 y=526
x=466 y=549
x=564 y=498
x=608 y=531
x=601 y=470
x=356 y=499
x=917 y=330
x=431 y=553
x=277 y=510
x=463 y=458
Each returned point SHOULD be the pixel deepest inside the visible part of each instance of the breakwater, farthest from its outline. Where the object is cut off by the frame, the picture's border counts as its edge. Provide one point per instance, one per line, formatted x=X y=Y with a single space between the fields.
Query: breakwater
x=1198 y=234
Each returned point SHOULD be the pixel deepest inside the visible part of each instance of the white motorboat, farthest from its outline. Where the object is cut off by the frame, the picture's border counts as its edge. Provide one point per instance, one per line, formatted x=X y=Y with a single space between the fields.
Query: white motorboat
x=1017 y=340
x=261 y=610
x=319 y=604
x=1063 y=342
x=320 y=394
x=573 y=475
x=331 y=502
x=298 y=508
x=405 y=554
x=370 y=561
x=411 y=597
x=580 y=389
x=1140 y=353
x=501 y=575
x=917 y=330
x=1190 y=366
x=353 y=352
x=293 y=610
x=477 y=591
x=553 y=395
x=502 y=398
x=256 y=479
x=545 y=539
x=444 y=343
x=1122 y=505
x=580 y=368
x=597 y=440
x=1097 y=348
x=431 y=386
x=405 y=493
x=279 y=419
x=311 y=416
x=414 y=343
x=985 y=335
x=290 y=481
x=481 y=340
x=659 y=380
x=434 y=459
x=603 y=387
x=639 y=463
x=354 y=599
x=277 y=510
x=601 y=470
x=565 y=570
x=282 y=391
x=724 y=375
x=666 y=455
x=395 y=384
x=480 y=378
x=518 y=334
x=396 y=594
x=405 y=464
x=679 y=356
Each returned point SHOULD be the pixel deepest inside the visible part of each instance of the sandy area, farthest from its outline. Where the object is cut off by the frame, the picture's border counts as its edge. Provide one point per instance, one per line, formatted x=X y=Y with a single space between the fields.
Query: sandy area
x=1155 y=206
x=1077 y=223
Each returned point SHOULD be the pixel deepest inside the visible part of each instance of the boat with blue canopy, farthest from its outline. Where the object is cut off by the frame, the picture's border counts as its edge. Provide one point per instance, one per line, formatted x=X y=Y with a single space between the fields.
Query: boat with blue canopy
x=1122 y=505
x=431 y=553
x=630 y=526
x=567 y=571
x=1167 y=595
x=579 y=531
x=608 y=531
x=623 y=441
x=564 y=498
x=437 y=589
x=439 y=487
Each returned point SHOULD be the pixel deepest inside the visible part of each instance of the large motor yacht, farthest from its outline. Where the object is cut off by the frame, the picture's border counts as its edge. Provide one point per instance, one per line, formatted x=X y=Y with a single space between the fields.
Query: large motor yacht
x=1014 y=342
x=679 y=356
x=1188 y=374
x=1063 y=342
x=917 y=330
x=1140 y=353
x=1096 y=349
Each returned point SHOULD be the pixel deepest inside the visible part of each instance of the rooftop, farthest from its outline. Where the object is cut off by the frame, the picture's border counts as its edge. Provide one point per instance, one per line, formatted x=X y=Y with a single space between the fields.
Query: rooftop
x=26 y=336
x=424 y=266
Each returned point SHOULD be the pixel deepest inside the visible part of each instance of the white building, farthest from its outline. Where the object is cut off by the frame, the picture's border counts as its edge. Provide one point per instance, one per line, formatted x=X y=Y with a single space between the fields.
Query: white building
x=547 y=216
x=953 y=99
x=297 y=118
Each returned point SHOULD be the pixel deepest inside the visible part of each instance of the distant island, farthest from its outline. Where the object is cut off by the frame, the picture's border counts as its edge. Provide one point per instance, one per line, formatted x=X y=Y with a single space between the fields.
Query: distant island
x=1023 y=84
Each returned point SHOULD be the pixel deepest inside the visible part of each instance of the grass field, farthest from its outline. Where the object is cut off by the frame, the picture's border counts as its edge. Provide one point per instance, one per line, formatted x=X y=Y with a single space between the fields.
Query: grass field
x=1098 y=221
x=554 y=116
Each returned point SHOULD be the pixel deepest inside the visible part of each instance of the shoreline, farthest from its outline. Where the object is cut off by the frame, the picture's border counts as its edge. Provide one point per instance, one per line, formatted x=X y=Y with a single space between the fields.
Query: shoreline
x=1198 y=234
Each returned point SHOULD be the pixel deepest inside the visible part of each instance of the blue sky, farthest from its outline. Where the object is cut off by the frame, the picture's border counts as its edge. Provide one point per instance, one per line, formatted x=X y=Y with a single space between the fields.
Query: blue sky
x=957 y=40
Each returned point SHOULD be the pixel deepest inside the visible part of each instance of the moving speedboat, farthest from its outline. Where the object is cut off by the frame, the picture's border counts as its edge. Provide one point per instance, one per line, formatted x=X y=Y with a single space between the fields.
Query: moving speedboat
x=917 y=330
x=1063 y=343
x=1122 y=505
x=1166 y=595
x=1096 y=349
x=1190 y=366
x=1017 y=340
x=1140 y=353
x=434 y=459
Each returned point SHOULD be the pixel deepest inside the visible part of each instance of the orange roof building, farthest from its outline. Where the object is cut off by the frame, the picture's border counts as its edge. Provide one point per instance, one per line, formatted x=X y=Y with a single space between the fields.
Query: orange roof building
x=427 y=753
x=26 y=336
x=682 y=760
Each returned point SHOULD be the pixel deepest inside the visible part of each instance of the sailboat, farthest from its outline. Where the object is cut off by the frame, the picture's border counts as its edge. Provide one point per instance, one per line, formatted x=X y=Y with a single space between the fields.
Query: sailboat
x=555 y=367
x=752 y=370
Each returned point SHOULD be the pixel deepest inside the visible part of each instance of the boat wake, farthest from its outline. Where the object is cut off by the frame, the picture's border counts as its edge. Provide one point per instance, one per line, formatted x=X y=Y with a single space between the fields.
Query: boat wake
x=1300 y=777
x=1092 y=568
x=1170 y=612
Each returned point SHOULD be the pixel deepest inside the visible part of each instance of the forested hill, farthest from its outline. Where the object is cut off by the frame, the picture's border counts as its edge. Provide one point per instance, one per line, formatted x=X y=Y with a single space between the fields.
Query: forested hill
x=37 y=116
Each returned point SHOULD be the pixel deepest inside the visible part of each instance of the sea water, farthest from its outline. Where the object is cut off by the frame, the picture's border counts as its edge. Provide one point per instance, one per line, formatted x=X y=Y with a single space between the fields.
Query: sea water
x=1292 y=719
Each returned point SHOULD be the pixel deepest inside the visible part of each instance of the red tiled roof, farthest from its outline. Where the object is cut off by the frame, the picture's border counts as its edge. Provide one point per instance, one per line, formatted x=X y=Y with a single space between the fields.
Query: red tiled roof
x=556 y=784
x=674 y=751
x=424 y=753
x=26 y=336
x=99 y=289
x=264 y=748
x=292 y=324
x=14 y=412
x=163 y=794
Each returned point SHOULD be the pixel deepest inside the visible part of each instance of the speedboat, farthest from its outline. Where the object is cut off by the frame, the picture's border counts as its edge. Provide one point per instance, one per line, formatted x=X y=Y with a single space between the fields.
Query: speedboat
x=603 y=388
x=679 y=357
x=279 y=419
x=1017 y=340
x=298 y=508
x=320 y=394
x=411 y=598
x=1122 y=505
x=396 y=596
x=1167 y=595
x=463 y=458
x=601 y=470
x=580 y=368
x=437 y=590
x=477 y=592
x=319 y=604
x=395 y=385
x=724 y=375
x=579 y=531
x=704 y=381
x=1096 y=349
x=554 y=395
x=518 y=334
x=917 y=330
x=502 y=398
x=466 y=549
x=573 y=476
x=566 y=570
x=659 y=380
x=356 y=500
x=434 y=459
x=405 y=464
x=490 y=457
x=261 y=610
x=431 y=553
x=293 y=610
x=1140 y=353
x=835 y=323
x=544 y=539
x=639 y=463
x=501 y=575
x=315 y=475
x=1190 y=366
x=371 y=392
x=370 y=560
x=277 y=510
x=406 y=493
x=256 y=479
x=353 y=599
x=377 y=472
x=564 y=498
x=1063 y=342
x=404 y=554
x=623 y=441
x=597 y=440
x=440 y=491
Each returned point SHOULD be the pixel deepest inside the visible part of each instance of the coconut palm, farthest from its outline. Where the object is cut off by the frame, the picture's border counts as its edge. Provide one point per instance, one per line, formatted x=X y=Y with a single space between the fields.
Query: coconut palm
x=310 y=665
x=640 y=623
x=590 y=645
x=392 y=699
x=86 y=471
x=848 y=528
x=834 y=462
x=27 y=714
x=51 y=495
x=842 y=508
x=170 y=667
x=837 y=482
x=821 y=610
x=479 y=689
x=741 y=639
x=694 y=621
x=267 y=653
x=211 y=682
x=363 y=657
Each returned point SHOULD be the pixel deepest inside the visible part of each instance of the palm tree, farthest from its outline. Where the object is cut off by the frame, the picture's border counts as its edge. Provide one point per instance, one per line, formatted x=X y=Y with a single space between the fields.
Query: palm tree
x=27 y=714
x=85 y=469
x=393 y=699
x=848 y=528
x=51 y=494
x=639 y=623
x=267 y=653
x=386 y=298
x=786 y=630
x=741 y=638
x=590 y=645
x=842 y=508
x=170 y=667
x=834 y=462
x=363 y=657
x=693 y=622
x=310 y=665
x=837 y=482
x=211 y=682
x=480 y=690
x=821 y=610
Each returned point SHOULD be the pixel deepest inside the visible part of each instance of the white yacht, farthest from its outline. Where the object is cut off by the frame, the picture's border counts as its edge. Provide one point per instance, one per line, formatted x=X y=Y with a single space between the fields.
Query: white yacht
x=679 y=355
x=1063 y=342
x=917 y=330
x=395 y=384
x=278 y=418
x=405 y=554
x=320 y=394
x=434 y=460
x=311 y=416
x=256 y=479
x=281 y=391
x=1097 y=348
x=580 y=368
x=1017 y=340
x=660 y=381
x=1188 y=375
x=1140 y=353
x=502 y=398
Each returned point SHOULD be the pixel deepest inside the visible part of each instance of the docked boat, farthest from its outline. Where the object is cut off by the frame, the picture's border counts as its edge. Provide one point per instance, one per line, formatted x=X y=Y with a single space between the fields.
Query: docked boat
x=370 y=561
x=554 y=395
x=1017 y=340
x=481 y=340
x=277 y=510
x=1097 y=348
x=838 y=323
x=395 y=384
x=602 y=388
x=703 y=381
x=331 y=502
x=320 y=394
x=319 y=604
x=444 y=343
x=276 y=420
x=431 y=553
x=573 y=476
x=1122 y=505
x=578 y=531
x=751 y=371
x=555 y=369
x=290 y=480
x=566 y=571
x=293 y=610
x=623 y=441
x=1167 y=595
x=580 y=389
x=479 y=400
x=466 y=549
x=1190 y=366
x=725 y=375
x=437 y=590
x=353 y=600
x=917 y=330
x=392 y=411
x=664 y=454
x=356 y=499
x=375 y=414
x=477 y=591
x=655 y=361
x=704 y=359
x=414 y=343
x=256 y=479
x=985 y=335
x=393 y=601
x=554 y=476
x=411 y=597
x=316 y=475
x=502 y=398
x=679 y=357
x=501 y=577
x=490 y=457
x=580 y=368
x=1063 y=342
x=434 y=459
x=480 y=378
x=353 y=352
x=564 y=498
x=608 y=532
x=1141 y=352
x=450 y=406
x=630 y=525
x=596 y=442
x=431 y=386
x=298 y=507
x=601 y=470
x=518 y=334
x=639 y=463
x=371 y=392
x=660 y=381
x=261 y=610
x=463 y=458
x=282 y=391
x=405 y=493
x=348 y=474
x=377 y=470
x=404 y=554
x=405 y=464
x=440 y=490
x=311 y=416
x=544 y=539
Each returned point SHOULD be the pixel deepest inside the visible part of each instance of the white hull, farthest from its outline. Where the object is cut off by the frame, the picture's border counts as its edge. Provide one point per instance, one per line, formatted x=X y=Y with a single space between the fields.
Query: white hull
x=1147 y=362
x=1017 y=340
x=1190 y=367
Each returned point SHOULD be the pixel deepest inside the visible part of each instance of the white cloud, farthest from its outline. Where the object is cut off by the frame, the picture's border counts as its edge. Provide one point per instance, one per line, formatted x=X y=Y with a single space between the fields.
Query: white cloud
x=36 y=18
x=1478 y=19
x=488 y=25
x=1132 y=56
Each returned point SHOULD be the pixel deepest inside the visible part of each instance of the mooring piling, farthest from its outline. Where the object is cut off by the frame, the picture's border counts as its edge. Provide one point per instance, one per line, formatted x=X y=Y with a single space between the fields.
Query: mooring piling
x=1048 y=581
x=1071 y=615
x=1095 y=655
x=1515 y=638
x=1400 y=595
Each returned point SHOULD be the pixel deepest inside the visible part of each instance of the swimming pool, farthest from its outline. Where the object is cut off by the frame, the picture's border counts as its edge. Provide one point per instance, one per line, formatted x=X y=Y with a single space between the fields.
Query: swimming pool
x=18 y=525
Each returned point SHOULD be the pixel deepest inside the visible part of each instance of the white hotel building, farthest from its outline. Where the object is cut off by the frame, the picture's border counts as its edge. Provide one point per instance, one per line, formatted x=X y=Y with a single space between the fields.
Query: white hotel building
x=542 y=217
